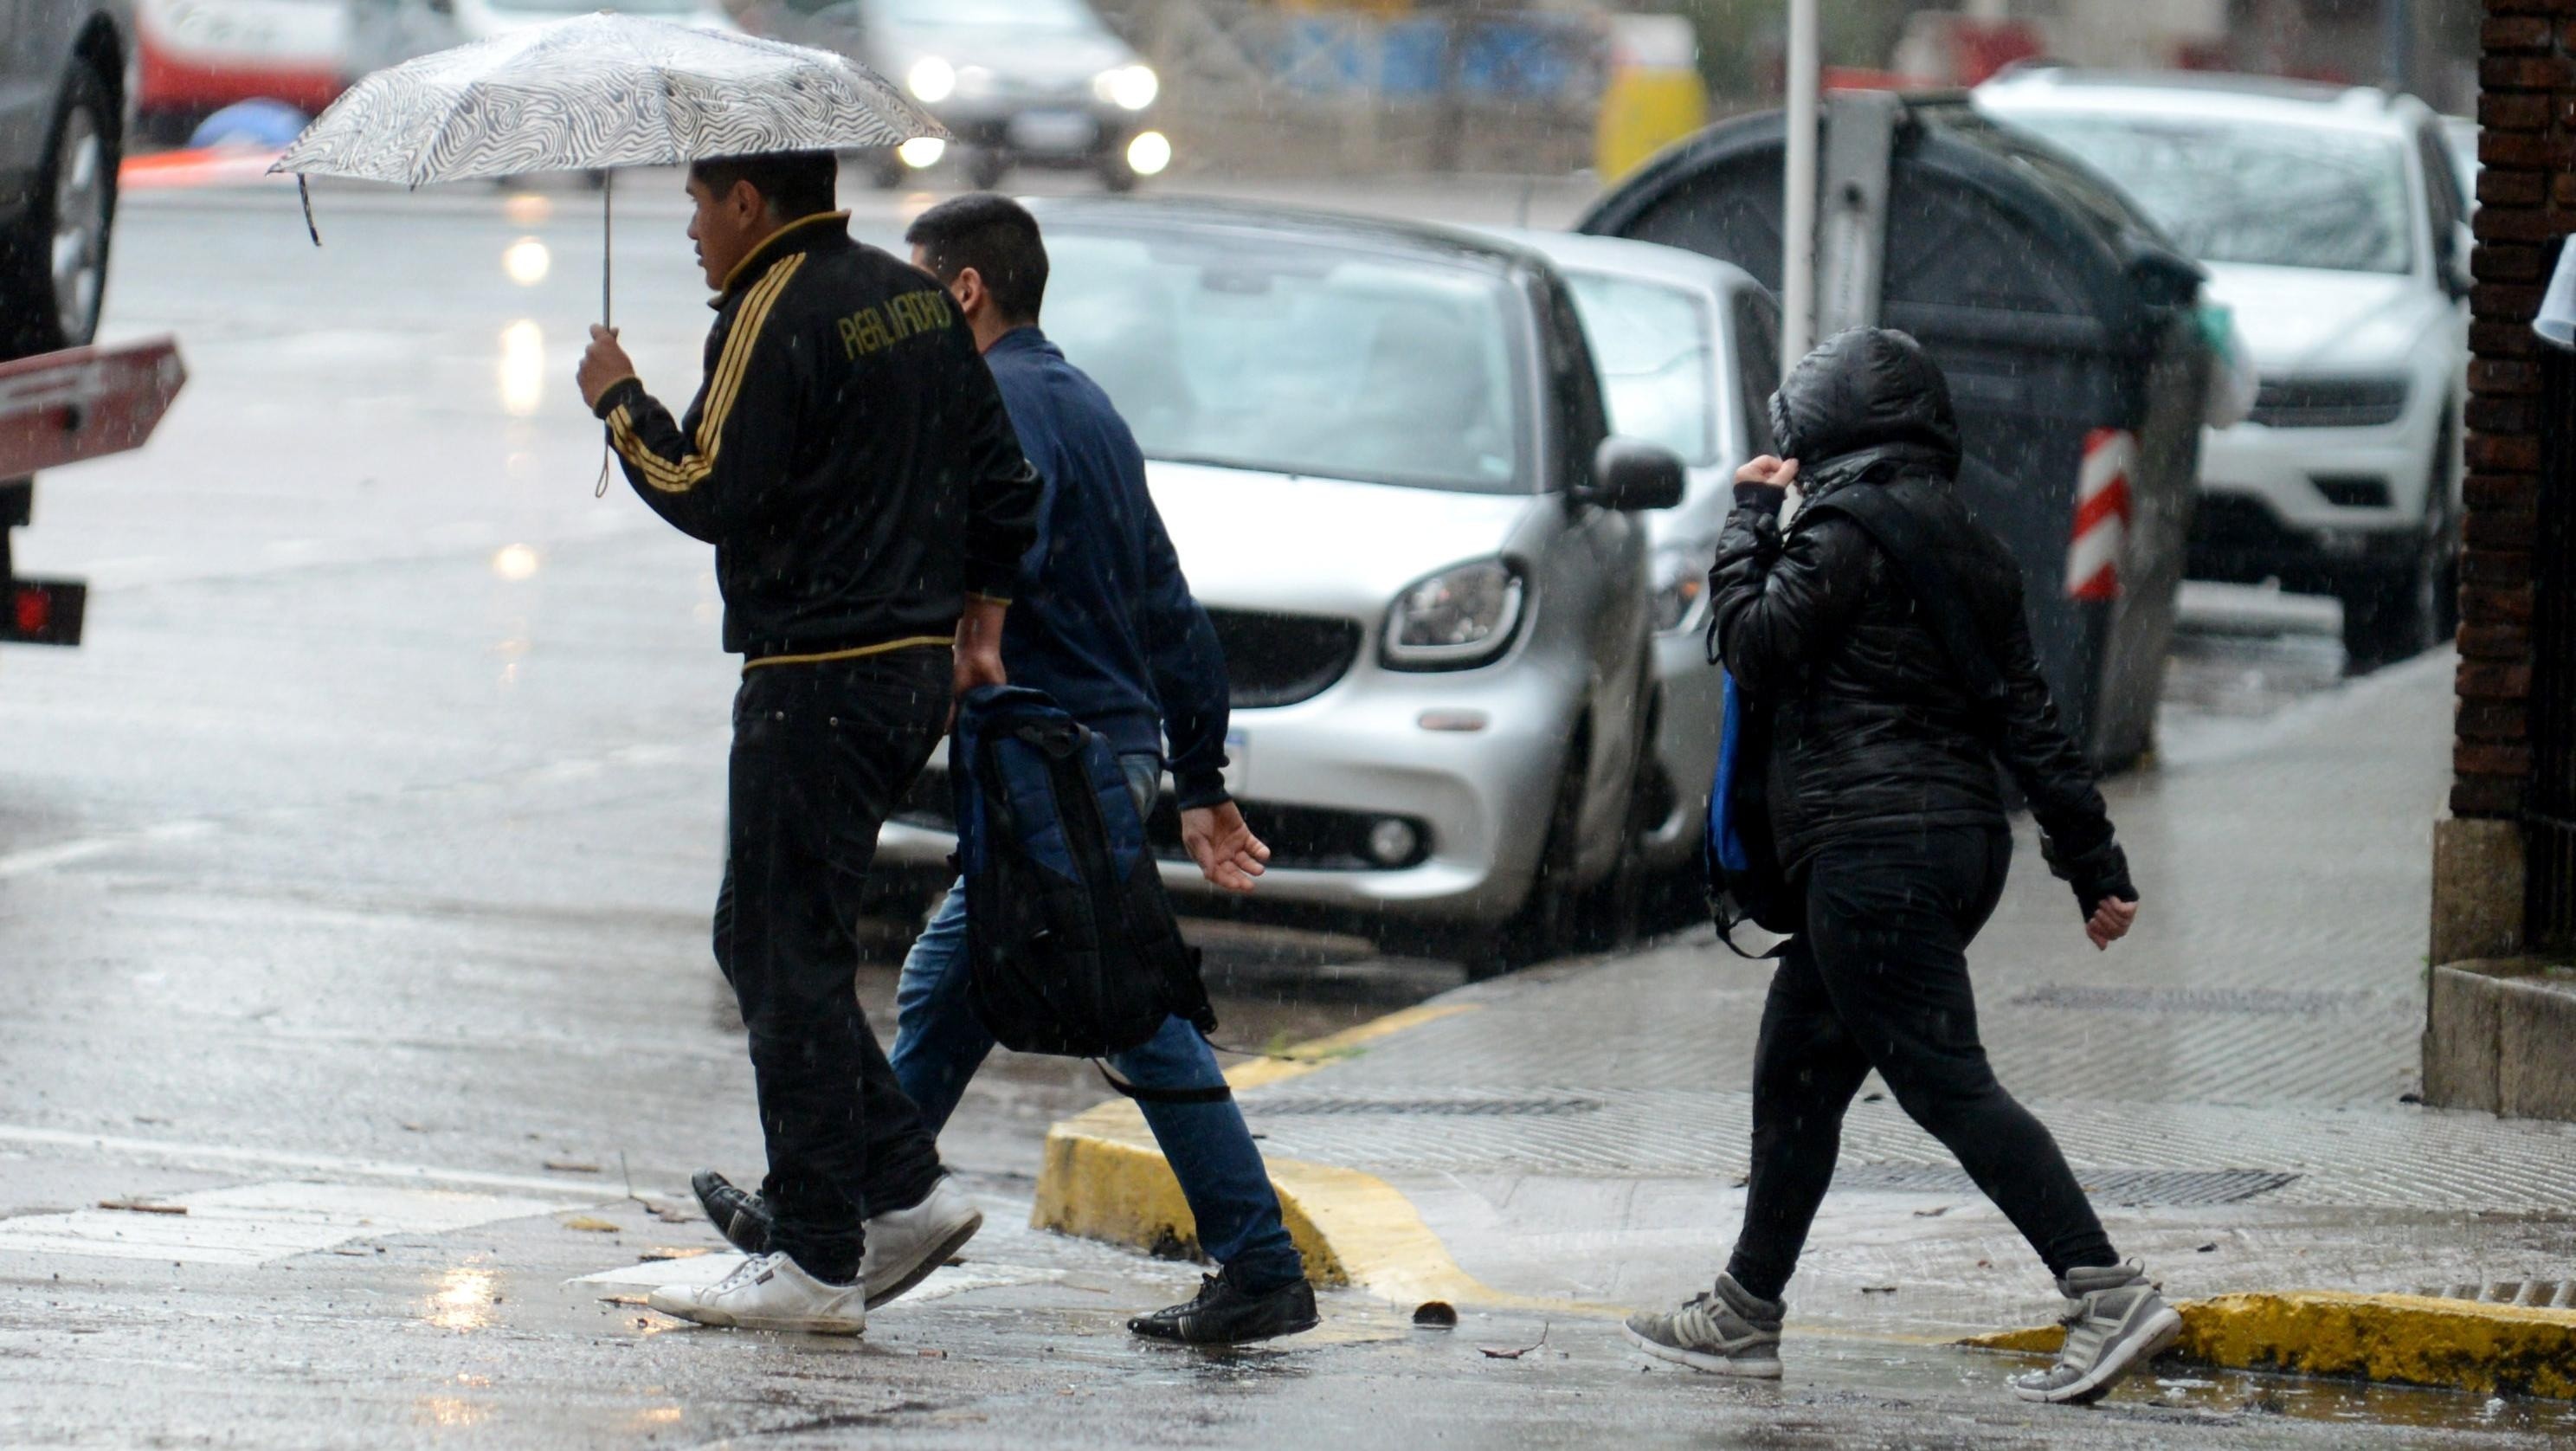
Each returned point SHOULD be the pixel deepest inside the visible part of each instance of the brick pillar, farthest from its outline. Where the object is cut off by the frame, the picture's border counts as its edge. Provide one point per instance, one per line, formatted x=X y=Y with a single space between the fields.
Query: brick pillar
x=2526 y=200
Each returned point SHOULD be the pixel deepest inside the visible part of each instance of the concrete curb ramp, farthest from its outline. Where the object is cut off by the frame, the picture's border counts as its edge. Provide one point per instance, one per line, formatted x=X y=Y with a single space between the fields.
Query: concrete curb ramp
x=1104 y=1179
x=2400 y=1339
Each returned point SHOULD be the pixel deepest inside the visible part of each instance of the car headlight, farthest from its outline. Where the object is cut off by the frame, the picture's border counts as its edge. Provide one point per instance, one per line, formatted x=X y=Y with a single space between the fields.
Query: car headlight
x=1680 y=580
x=931 y=80
x=1461 y=617
x=1129 y=87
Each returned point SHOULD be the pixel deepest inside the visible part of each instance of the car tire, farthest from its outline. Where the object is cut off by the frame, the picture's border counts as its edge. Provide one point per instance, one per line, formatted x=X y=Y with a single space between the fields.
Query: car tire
x=2395 y=614
x=1612 y=913
x=1116 y=176
x=1544 y=924
x=986 y=166
x=52 y=296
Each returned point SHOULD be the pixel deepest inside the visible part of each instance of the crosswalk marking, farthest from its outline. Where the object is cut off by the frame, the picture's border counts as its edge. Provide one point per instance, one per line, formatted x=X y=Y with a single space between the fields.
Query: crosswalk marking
x=254 y=1224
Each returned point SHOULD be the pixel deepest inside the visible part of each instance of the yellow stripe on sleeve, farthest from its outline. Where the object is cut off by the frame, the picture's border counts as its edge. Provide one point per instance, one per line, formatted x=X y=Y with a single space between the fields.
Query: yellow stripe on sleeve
x=725 y=386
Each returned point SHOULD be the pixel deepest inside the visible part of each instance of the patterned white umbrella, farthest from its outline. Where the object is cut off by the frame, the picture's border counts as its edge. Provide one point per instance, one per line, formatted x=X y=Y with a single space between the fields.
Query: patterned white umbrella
x=595 y=92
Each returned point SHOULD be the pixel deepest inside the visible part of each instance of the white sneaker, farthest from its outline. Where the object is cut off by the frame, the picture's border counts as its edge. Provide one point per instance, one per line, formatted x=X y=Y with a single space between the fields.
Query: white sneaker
x=905 y=1245
x=768 y=1292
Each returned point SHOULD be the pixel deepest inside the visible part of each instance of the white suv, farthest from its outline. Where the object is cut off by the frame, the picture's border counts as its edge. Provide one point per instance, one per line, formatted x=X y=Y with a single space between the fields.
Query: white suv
x=2332 y=225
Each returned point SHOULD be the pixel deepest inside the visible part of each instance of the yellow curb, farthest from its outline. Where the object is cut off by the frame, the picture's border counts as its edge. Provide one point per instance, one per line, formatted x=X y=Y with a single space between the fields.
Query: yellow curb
x=2404 y=1339
x=1104 y=1179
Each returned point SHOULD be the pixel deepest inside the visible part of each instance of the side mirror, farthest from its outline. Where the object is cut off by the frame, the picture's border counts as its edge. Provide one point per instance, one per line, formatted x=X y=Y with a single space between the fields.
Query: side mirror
x=1630 y=474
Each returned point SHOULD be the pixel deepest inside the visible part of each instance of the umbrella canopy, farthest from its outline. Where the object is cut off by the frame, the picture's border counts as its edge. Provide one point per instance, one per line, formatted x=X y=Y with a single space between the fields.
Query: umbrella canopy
x=596 y=92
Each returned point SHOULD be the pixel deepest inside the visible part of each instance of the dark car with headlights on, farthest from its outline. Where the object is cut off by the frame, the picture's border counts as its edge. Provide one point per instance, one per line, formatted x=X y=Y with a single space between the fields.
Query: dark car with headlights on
x=1016 y=82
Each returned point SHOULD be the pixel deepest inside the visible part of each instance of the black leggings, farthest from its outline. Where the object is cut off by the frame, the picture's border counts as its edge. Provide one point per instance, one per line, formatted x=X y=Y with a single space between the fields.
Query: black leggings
x=1880 y=980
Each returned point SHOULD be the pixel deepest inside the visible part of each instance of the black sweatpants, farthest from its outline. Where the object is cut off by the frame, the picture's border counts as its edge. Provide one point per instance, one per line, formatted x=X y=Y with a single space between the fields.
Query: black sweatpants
x=1880 y=980
x=821 y=754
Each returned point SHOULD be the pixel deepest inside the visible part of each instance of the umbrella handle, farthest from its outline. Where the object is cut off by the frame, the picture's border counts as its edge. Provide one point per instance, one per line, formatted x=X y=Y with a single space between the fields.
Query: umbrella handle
x=607 y=270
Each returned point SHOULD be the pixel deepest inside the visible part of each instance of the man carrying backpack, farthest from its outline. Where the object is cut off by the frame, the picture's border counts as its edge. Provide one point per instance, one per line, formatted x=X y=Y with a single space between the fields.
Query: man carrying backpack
x=1885 y=809
x=850 y=461
x=1102 y=621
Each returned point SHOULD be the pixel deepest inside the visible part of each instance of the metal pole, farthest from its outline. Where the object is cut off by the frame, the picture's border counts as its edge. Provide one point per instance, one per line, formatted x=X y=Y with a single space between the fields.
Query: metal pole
x=1798 y=209
x=2397 y=36
x=607 y=242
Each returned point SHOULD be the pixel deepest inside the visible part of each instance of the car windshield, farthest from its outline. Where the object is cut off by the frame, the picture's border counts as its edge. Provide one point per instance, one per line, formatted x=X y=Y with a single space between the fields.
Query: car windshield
x=1054 y=16
x=1294 y=358
x=2283 y=196
x=1657 y=360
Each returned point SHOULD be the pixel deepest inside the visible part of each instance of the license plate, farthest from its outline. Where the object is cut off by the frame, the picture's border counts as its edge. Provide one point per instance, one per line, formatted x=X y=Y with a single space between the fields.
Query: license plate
x=1053 y=131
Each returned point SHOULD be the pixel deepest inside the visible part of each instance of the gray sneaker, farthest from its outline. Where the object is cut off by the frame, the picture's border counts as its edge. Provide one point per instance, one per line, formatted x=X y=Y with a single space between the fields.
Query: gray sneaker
x=2119 y=1323
x=1725 y=1331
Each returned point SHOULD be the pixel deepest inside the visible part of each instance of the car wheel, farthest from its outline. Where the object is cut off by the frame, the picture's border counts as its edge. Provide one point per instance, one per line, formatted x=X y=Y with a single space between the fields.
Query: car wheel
x=1116 y=176
x=986 y=167
x=2395 y=614
x=1612 y=913
x=53 y=265
x=1545 y=922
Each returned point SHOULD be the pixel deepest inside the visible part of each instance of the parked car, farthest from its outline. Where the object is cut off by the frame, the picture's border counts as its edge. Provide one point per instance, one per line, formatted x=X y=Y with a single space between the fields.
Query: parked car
x=1016 y=82
x=1383 y=454
x=1689 y=352
x=199 y=56
x=2461 y=132
x=66 y=102
x=2332 y=224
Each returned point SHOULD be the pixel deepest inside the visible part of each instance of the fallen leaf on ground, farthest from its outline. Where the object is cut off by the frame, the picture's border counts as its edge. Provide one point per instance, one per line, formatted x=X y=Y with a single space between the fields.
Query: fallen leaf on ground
x=932 y=1354
x=1496 y=1352
x=671 y=1214
x=142 y=1206
x=1935 y=1212
x=665 y=1252
x=590 y=1224
x=622 y=1300
x=571 y=1166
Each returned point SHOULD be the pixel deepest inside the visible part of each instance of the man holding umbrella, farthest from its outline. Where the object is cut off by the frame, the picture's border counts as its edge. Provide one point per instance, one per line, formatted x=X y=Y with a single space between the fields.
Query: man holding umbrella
x=849 y=458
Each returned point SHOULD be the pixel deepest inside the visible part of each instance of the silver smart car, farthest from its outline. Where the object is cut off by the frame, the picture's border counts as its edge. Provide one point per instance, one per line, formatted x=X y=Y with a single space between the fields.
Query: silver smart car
x=1383 y=454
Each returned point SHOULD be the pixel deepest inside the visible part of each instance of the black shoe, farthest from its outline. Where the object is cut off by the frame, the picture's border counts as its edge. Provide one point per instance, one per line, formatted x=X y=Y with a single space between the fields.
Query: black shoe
x=741 y=1218
x=1225 y=1315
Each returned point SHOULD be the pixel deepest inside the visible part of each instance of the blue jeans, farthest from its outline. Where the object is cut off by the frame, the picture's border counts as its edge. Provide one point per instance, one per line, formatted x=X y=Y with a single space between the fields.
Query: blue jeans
x=938 y=1045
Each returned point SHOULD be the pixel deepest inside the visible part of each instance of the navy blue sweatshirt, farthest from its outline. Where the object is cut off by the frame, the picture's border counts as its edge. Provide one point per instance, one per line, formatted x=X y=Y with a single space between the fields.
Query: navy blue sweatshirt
x=1102 y=619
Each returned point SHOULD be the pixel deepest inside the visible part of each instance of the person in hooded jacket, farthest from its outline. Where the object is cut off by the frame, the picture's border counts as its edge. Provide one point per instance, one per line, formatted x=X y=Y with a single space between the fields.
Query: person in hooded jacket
x=1889 y=817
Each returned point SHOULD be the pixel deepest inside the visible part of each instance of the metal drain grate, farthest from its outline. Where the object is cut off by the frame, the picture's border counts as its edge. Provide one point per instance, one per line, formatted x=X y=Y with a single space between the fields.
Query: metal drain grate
x=2248 y=1000
x=2174 y=1187
x=1273 y=1107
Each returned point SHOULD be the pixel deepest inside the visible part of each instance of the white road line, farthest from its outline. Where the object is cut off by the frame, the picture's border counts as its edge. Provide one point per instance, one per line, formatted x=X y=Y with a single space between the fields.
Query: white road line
x=575 y=1193
x=702 y=1270
x=257 y=1224
x=64 y=853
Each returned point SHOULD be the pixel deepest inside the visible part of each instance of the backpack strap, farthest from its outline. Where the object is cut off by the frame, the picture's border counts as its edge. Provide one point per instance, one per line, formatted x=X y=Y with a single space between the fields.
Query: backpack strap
x=1903 y=535
x=1142 y=1094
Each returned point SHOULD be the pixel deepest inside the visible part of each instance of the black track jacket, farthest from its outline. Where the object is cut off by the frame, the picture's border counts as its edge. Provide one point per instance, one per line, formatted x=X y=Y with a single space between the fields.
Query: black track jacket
x=847 y=454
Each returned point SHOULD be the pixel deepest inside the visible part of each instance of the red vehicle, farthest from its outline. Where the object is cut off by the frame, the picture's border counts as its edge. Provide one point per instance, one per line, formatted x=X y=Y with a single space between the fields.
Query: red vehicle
x=201 y=55
x=58 y=408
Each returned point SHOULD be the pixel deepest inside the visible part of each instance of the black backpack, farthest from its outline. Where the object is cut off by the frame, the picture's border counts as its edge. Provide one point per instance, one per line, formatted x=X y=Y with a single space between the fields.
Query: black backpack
x=1071 y=942
x=1739 y=854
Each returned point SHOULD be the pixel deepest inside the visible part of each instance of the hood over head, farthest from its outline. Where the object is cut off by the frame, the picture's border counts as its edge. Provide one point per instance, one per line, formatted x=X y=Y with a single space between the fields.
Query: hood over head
x=1870 y=390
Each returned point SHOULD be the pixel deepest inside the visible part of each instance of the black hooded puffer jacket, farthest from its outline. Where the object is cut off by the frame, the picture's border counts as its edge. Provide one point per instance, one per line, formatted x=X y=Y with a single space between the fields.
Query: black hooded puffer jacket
x=1874 y=729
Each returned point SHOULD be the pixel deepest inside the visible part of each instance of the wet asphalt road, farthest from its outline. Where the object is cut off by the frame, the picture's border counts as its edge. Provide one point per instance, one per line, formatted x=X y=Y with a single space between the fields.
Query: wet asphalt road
x=353 y=880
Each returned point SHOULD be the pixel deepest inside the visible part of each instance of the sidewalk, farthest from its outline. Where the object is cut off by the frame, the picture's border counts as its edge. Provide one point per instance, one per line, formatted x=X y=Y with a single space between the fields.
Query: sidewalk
x=2230 y=1083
